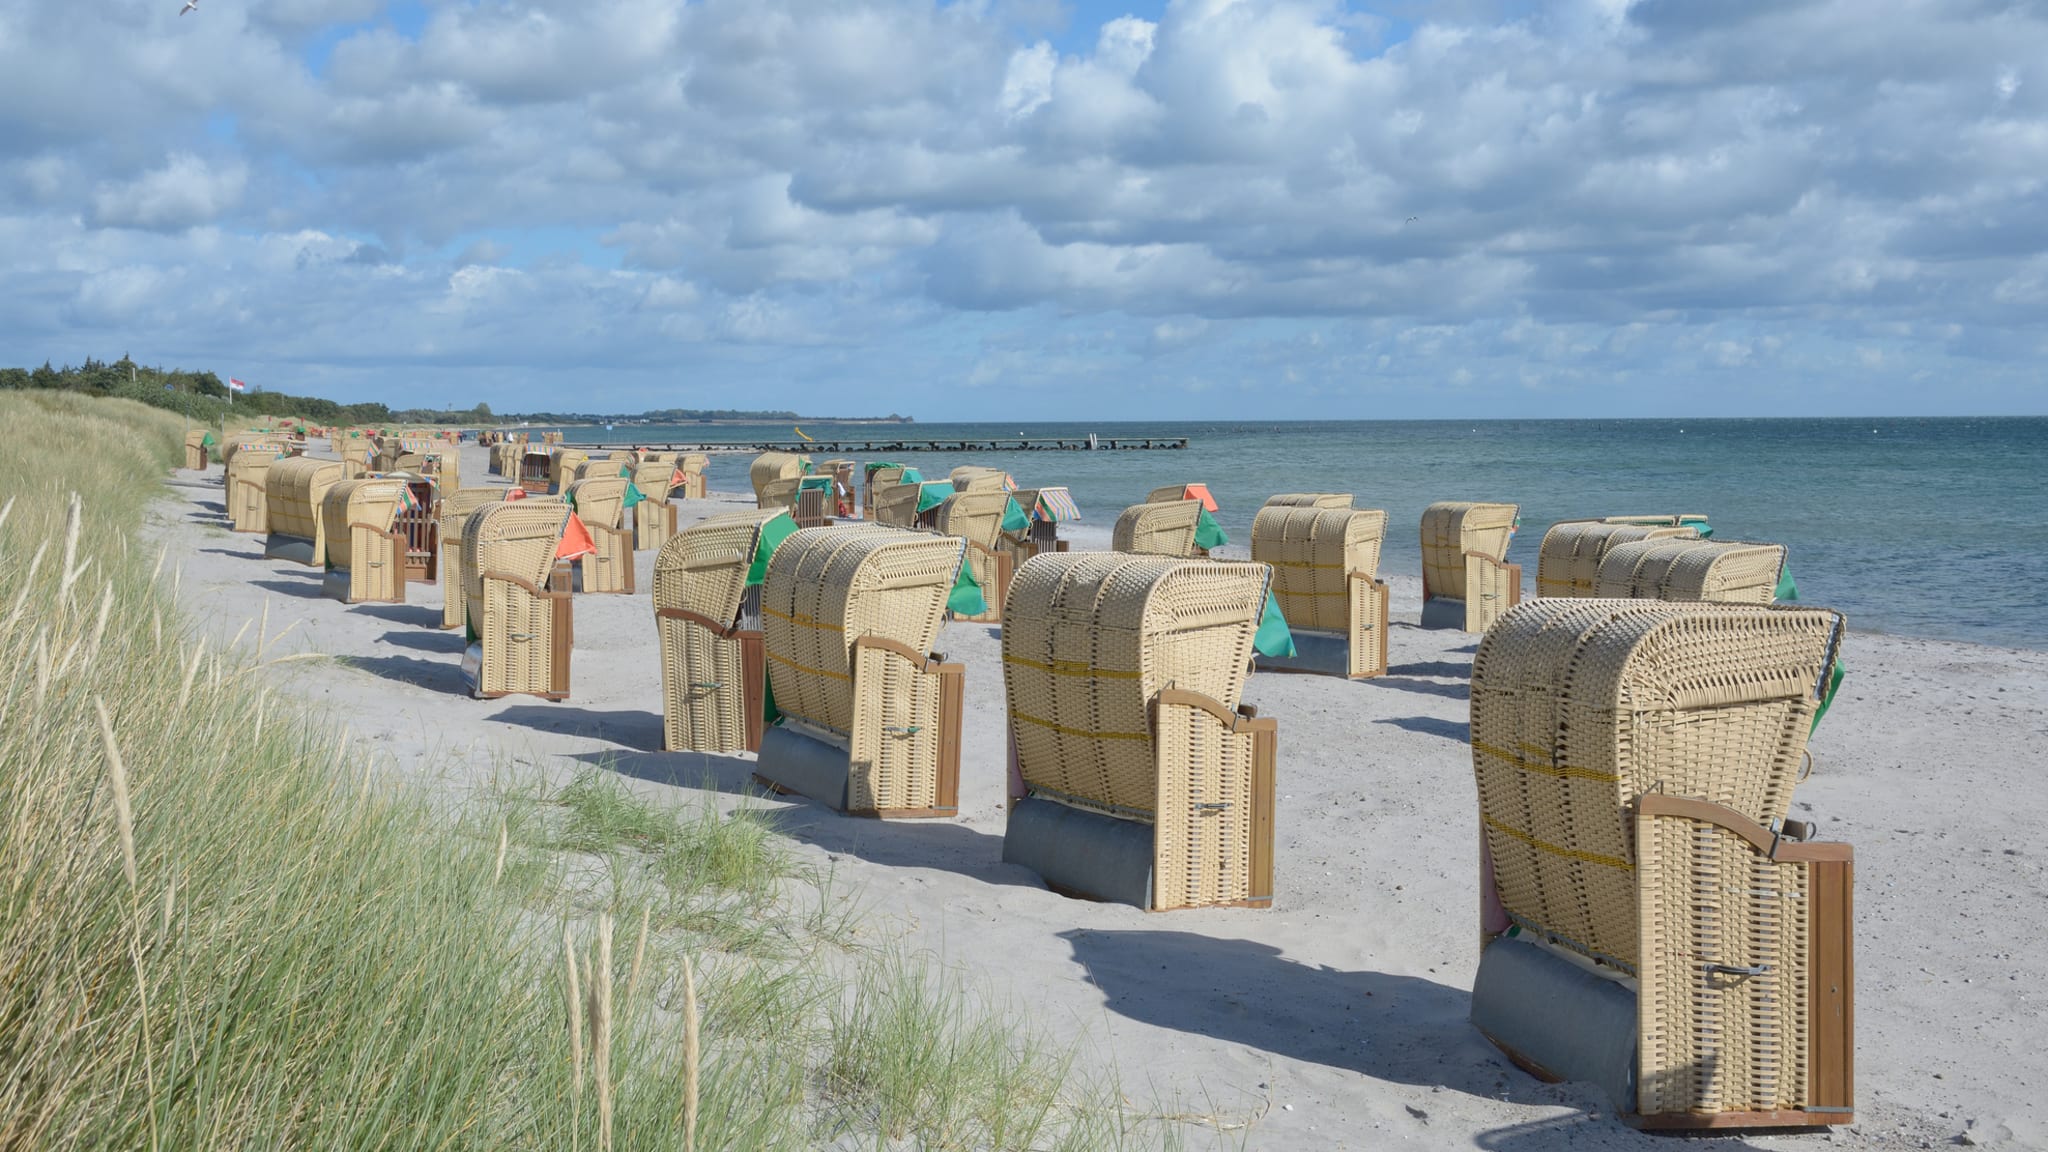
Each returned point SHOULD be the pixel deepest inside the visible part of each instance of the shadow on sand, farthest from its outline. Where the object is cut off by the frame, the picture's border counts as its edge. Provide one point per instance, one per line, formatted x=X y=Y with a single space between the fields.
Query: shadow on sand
x=1455 y=669
x=445 y=643
x=306 y=591
x=1460 y=691
x=443 y=675
x=1456 y=730
x=415 y=615
x=636 y=729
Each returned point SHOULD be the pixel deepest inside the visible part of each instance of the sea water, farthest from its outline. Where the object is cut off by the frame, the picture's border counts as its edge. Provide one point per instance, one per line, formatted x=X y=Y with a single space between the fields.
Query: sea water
x=1924 y=527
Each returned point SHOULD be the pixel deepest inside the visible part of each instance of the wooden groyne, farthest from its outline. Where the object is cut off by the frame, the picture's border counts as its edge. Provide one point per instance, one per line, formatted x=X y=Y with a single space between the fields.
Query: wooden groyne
x=882 y=447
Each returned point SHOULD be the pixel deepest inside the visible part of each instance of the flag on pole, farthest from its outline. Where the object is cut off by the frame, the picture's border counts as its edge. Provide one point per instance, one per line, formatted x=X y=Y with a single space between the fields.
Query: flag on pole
x=237 y=385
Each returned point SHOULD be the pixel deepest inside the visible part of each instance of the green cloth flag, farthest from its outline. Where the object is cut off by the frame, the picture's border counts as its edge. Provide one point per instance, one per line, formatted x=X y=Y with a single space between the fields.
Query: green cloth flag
x=1014 y=518
x=930 y=498
x=1828 y=695
x=1706 y=531
x=1209 y=534
x=773 y=533
x=633 y=494
x=910 y=476
x=966 y=598
x=1274 y=637
x=206 y=440
x=1788 y=588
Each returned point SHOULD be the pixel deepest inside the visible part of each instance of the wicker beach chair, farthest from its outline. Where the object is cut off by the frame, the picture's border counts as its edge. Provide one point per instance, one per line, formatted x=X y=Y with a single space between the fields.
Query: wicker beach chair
x=1159 y=529
x=977 y=517
x=975 y=478
x=519 y=628
x=292 y=493
x=1175 y=493
x=198 y=449
x=881 y=476
x=1466 y=580
x=600 y=502
x=1138 y=778
x=772 y=466
x=1686 y=569
x=1650 y=921
x=654 y=518
x=1309 y=500
x=358 y=458
x=1047 y=509
x=365 y=554
x=693 y=485
x=1325 y=559
x=246 y=475
x=870 y=719
x=778 y=494
x=563 y=471
x=536 y=469
x=456 y=508
x=909 y=505
x=707 y=615
x=1568 y=564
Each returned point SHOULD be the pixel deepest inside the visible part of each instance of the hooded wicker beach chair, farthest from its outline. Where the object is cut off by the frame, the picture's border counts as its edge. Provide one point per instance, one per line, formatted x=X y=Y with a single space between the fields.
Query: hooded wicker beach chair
x=1681 y=568
x=198 y=449
x=693 y=484
x=456 y=508
x=870 y=718
x=1568 y=564
x=1325 y=559
x=1650 y=921
x=1138 y=777
x=880 y=477
x=563 y=473
x=778 y=494
x=707 y=615
x=772 y=466
x=365 y=552
x=519 y=628
x=293 y=490
x=909 y=505
x=1309 y=500
x=1466 y=580
x=1047 y=509
x=600 y=502
x=975 y=478
x=246 y=475
x=1159 y=529
x=654 y=518
x=358 y=458
x=536 y=469
x=978 y=517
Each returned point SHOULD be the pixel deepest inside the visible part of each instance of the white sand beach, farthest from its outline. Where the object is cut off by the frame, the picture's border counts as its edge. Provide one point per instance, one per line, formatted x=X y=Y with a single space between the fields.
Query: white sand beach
x=1336 y=1019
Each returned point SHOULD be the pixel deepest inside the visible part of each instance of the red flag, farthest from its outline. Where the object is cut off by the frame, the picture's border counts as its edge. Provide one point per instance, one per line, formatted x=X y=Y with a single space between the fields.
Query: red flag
x=237 y=385
x=576 y=540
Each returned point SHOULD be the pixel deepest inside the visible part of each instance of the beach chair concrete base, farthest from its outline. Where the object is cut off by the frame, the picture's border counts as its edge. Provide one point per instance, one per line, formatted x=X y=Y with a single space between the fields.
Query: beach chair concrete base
x=341 y=584
x=1442 y=612
x=795 y=760
x=1082 y=854
x=1555 y=1019
x=296 y=549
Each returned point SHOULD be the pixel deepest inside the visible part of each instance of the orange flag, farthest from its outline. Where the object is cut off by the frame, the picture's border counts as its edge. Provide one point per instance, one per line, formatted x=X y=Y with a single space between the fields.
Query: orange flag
x=576 y=540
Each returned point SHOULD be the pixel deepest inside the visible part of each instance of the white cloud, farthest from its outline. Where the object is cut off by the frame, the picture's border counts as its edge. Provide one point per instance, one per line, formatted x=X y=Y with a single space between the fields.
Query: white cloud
x=184 y=192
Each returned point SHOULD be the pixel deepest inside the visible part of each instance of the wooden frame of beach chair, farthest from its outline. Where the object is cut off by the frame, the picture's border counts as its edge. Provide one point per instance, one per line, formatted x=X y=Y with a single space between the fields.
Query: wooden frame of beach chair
x=292 y=492
x=977 y=517
x=1467 y=582
x=870 y=716
x=880 y=478
x=600 y=502
x=246 y=474
x=456 y=507
x=419 y=523
x=771 y=466
x=654 y=518
x=522 y=631
x=1685 y=569
x=1650 y=921
x=197 y=456
x=562 y=470
x=1326 y=559
x=1137 y=777
x=1568 y=563
x=365 y=551
x=1159 y=529
x=714 y=675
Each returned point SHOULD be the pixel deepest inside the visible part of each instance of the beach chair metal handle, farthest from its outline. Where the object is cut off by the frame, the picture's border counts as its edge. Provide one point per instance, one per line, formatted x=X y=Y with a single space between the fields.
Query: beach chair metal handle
x=910 y=730
x=1738 y=969
x=522 y=635
x=1218 y=806
x=710 y=684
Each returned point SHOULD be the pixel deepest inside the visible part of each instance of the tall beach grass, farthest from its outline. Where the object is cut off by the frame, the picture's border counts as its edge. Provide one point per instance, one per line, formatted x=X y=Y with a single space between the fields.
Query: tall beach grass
x=220 y=930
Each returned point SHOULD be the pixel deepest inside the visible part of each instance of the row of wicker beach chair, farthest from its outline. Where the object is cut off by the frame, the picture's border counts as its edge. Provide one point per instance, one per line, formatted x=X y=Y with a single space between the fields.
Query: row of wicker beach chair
x=1651 y=921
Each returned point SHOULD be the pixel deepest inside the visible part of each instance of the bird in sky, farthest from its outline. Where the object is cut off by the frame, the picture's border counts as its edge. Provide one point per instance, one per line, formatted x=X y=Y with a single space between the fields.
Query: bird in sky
x=190 y=5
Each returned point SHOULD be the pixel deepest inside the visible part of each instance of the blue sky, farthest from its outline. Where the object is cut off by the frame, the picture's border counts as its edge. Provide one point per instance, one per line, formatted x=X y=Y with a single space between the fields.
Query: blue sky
x=1025 y=208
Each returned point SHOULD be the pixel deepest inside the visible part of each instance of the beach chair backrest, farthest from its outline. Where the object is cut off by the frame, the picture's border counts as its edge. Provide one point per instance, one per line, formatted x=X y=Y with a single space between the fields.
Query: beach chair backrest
x=1581 y=706
x=654 y=474
x=293 y=490
x=828 y=587
x=975 y=478
x=515 y=538
x=1683 y=569
x=1309 y=500
x=1568 y=564
x=1451 y=529
x=780 y=492
x=370 y=502
x=1158 y=529
x=1089 y=641
x=769 y=467
x=600 y=501
x=1314 y=553
x=703 y=568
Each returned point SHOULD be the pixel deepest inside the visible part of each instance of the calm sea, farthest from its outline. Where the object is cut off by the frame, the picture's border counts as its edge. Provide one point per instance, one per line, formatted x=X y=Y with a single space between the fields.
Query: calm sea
x=1926 y=527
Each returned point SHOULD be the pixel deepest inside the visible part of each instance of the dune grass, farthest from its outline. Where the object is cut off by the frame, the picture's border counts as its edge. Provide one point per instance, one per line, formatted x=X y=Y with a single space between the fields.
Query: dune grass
x=220 y=929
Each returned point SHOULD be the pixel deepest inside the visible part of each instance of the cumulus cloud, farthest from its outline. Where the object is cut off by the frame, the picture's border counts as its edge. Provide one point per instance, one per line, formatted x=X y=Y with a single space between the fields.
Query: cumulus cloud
x=1602 y=198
